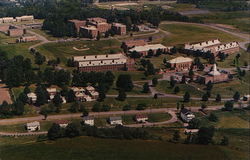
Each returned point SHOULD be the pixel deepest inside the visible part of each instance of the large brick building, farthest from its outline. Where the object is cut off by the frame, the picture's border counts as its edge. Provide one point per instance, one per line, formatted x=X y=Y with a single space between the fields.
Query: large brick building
x=119 y=28
x=15 y=32
x=180 y=63
x=25 y=18
x=213 y=76
x=214 y=46
x=96 y=25
x=27 y=39
x=143 y=50
x=103 y=62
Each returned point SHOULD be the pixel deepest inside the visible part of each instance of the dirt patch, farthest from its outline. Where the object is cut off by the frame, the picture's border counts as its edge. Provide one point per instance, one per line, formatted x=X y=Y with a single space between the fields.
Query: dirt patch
x=4 y=94
x=82 y=49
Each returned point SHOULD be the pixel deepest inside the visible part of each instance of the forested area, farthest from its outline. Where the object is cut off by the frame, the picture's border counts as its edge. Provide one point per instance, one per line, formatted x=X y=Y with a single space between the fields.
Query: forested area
x=223 y=5
x=57 y=14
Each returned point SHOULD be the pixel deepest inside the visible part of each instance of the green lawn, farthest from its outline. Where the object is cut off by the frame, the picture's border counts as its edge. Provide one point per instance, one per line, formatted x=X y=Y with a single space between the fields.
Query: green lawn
x=136 y=75
x=238 y=19
x=188 y=33
x=66 y=50
x=178 y=7
x=45 y=34
x=164 y=86
x=104 y=149
x=158 y=117
x=45 y=125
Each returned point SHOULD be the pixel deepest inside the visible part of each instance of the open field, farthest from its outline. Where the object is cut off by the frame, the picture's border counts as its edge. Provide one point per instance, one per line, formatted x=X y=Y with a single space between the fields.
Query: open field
x=44 y=34
x=189 y=33
x=238 y=19
x=65 y=50
x=136 y=75
x=164 y=86
x=94 y=148
x=228 y=62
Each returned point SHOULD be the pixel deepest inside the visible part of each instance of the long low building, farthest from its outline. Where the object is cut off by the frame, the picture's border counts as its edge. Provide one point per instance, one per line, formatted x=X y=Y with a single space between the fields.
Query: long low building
x=214 y=46
x=103 y=62
x=143 y=50
x=180 y=63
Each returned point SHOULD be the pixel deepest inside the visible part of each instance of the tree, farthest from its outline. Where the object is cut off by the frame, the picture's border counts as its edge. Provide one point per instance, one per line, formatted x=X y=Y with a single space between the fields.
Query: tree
x=176 y=90
x=145 y=88
x=150 y=69
x=57 y=100
x=141 y=106
x=205 y=135
x=224 y=141
x=85 y=112
x=212 y=117
x=209 y=86
x=19 y=107
x=204 y=97
x=98 y=37
x=194 y=123
x=72 y=130
x=203 y=106
x=96 y=107
x=236 y=96
x=42 y=95
x=127 y=107
x=70 y=96
x=176 y=136
x=26 y=90
x=44 y=111
x=172 y=82
x=106 y=107
x=124 y=82
x=191 y=72
x=39 y=59
x=154 y=81
x=122 y=95
x=218 y=98
x=23 y=97
x=54 y=132
x=74 y=107
x=229 y=105
x=186 y=97
x=155 y=96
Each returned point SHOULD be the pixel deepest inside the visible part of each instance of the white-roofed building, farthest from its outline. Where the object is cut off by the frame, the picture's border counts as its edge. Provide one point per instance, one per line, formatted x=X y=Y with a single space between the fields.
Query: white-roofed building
x=201 y=45
x=103 y=62
x=227 y=48
x=180 y=63
x=32 y=97
x=143 y=50
x=33 y=126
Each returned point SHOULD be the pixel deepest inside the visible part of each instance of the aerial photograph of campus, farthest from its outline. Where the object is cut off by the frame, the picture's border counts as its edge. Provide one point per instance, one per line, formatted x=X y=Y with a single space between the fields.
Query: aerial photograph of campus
x=124 y=80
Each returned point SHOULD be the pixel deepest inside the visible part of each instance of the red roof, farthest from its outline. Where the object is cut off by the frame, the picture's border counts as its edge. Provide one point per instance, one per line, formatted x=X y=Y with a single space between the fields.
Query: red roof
x=138 y=116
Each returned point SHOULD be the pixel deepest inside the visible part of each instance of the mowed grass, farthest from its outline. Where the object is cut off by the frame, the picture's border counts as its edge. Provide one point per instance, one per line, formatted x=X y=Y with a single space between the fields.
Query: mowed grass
x=89 y=148
x=44 y=33
x=189 y=33
x=159 y=117
x=164 y=86
x=65 y=50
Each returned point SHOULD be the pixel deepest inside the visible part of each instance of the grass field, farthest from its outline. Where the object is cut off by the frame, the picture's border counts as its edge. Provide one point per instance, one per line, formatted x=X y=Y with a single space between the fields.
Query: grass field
x=238 y=19
x=94 y=148
x=65 y=50
x=184 y=33
x=136 y=75
x=164 y=86
x=45 y=34
x=158 y=117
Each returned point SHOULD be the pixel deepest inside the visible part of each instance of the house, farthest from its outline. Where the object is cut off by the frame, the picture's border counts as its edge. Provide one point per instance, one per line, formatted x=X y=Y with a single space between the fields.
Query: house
x=78 y=89
x=115 y=120
x=180 y=63
x=108 y=62
x=94 y=94
x=51 y=91
x=88 y=120
x=143 y=50
x=140 y=118
x=90 y=88
x=62 y=123
x=32 y=97
x=186 y=115
x=33 y=126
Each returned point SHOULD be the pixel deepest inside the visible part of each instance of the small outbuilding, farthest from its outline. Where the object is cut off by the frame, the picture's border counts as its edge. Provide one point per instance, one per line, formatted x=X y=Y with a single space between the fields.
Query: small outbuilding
x=115 y=120
x=33 y=126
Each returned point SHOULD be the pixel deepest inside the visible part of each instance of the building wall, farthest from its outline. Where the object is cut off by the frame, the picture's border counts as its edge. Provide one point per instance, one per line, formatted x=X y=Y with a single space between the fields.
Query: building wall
x=181 y=66
x=15 y=32
x=102 y=68
x=4 y=28
x=214 y=79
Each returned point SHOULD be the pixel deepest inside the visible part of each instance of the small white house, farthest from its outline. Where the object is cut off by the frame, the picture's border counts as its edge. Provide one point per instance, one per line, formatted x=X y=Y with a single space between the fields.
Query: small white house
x=186 y=115
x=88 y=120
x=33 y=126
x=90 y=88
x=140 y=118
x=32 y=97
x=115 y=120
